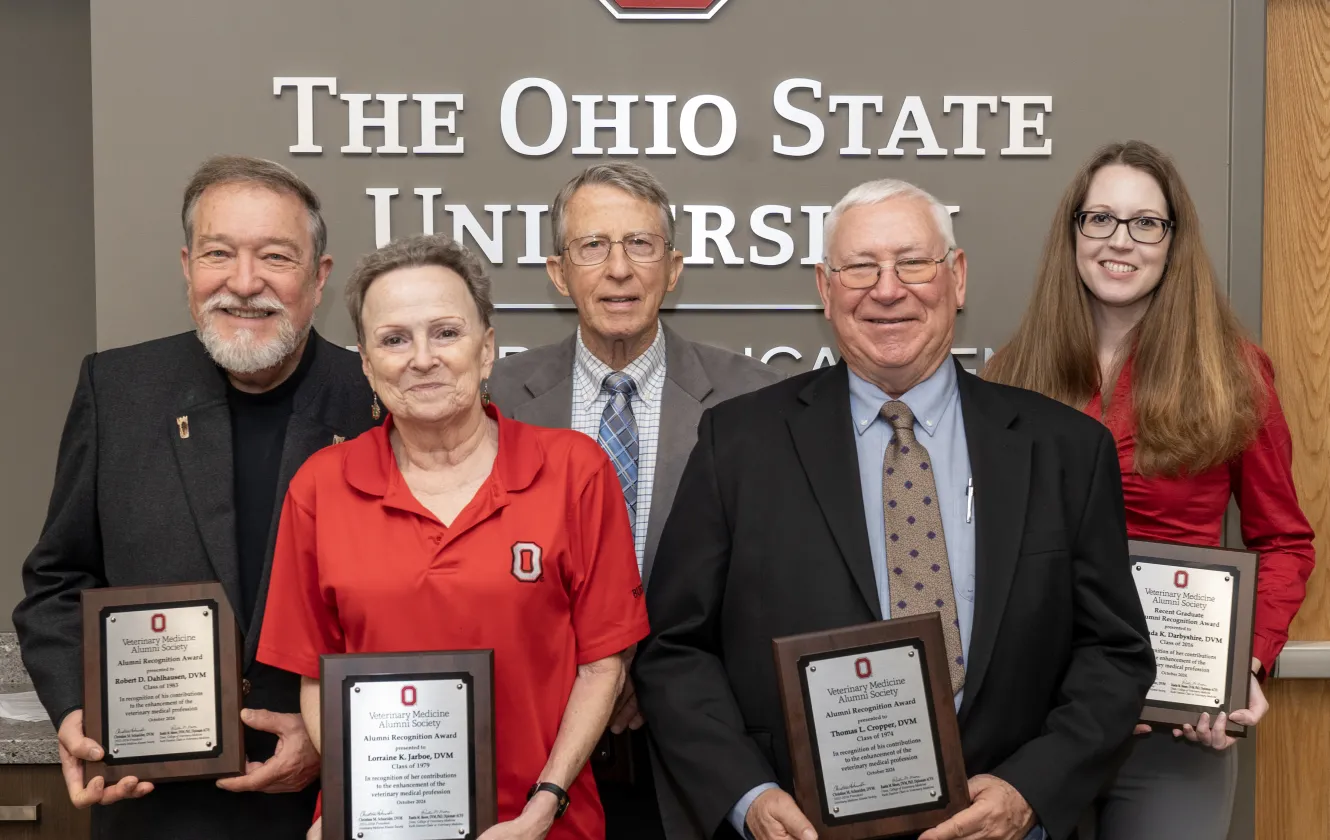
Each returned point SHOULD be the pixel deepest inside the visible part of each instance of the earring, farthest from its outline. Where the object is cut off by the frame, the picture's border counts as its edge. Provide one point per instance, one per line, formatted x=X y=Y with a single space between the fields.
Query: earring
x=485 y=393
x=374 y=410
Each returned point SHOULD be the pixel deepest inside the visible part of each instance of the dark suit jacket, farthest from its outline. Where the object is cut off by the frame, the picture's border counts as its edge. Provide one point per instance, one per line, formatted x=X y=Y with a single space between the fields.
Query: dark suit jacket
x=536 y=386
x=134 y=504
x=767 y=538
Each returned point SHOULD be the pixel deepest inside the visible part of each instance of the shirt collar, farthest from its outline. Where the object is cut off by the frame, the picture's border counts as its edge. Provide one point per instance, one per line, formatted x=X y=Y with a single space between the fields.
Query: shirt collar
x=371 y=467
x=929 y=400
x=645 y=369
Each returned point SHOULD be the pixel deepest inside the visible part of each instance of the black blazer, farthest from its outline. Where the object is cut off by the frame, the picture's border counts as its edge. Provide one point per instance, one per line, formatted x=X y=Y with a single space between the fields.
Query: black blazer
x=134 y=504
x=767 y=538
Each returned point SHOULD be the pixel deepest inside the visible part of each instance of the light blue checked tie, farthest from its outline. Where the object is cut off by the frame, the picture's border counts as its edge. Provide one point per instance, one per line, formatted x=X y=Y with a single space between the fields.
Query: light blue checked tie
x=618 y=436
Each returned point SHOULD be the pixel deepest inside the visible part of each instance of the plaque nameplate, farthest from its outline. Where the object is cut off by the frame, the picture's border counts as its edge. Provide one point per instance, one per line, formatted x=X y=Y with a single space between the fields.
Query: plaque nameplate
x=408 y=745
x=162 y=688
x=1199 y=603
x=874 y=742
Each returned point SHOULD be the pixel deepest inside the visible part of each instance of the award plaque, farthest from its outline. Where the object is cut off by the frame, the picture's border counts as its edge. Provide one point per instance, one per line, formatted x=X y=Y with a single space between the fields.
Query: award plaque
x=408 y=745
x=1198 y=603
x=871 y=723
x=161 y=682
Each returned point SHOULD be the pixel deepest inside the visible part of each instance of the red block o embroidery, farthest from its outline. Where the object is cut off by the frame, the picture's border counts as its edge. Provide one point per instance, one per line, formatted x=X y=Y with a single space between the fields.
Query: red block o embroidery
x=526 y=562
x=1180 y=579
x=863 y=669
x=158 y=622
x=408 y=695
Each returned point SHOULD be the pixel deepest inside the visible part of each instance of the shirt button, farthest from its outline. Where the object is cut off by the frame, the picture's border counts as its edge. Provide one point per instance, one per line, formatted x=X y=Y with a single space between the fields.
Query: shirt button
x=244 y=687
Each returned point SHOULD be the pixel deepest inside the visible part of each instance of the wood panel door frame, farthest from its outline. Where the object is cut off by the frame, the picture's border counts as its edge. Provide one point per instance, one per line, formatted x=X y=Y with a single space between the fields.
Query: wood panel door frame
x=1291 y=763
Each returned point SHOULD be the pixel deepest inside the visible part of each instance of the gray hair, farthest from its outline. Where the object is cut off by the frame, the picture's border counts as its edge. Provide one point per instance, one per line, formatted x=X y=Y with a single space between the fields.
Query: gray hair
x=876 y=192
x=629 y=177
x=238 y=169
x=413 y=252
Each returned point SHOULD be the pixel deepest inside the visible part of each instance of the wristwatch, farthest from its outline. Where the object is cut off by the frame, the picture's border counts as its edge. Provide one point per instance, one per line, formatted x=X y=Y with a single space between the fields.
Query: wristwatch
x=559 y=793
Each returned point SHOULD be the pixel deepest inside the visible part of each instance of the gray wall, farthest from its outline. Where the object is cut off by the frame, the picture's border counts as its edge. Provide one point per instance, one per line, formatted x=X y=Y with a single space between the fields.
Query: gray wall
x=165 y=96
x=48 y=320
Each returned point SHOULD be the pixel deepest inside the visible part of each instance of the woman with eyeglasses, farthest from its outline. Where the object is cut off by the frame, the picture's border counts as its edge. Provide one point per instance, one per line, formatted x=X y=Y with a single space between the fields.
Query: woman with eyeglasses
x=1128 y=323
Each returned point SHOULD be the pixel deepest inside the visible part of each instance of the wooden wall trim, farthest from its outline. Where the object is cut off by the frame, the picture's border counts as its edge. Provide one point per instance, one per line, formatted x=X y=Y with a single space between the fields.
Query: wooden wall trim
x=1291 y=800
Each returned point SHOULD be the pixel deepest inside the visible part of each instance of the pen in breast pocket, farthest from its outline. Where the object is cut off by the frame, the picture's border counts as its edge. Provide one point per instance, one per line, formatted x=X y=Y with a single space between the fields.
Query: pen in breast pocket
x=969 y=500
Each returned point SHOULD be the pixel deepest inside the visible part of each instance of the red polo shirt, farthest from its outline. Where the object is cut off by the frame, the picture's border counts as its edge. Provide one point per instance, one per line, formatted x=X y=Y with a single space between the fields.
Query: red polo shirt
x=1190 y=508
x=539 y=567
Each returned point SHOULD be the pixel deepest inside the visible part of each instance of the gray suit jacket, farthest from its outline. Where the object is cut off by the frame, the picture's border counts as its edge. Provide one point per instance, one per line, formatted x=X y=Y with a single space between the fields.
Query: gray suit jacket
x=536 y=387
x=135 y=504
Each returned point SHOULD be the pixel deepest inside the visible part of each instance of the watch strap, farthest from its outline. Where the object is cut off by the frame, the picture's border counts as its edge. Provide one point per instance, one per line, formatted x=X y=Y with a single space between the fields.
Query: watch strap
x=559 y=794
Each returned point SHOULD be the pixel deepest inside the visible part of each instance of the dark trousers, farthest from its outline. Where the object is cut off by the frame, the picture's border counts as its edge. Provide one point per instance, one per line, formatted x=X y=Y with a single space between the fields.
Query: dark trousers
x=622 y=767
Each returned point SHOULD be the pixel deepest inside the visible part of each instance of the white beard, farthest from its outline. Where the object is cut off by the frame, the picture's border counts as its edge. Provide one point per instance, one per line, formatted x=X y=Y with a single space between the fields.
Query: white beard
x=245 y=353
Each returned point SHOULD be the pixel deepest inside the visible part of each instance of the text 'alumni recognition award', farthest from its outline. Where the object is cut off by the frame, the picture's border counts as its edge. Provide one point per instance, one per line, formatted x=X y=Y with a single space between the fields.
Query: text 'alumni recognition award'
x=872 y=729
x=161 y=682
x=1199 y=603
x=408 y=746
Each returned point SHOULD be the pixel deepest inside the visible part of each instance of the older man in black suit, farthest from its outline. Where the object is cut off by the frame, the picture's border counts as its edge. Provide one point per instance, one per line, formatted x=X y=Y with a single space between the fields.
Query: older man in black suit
x=174 y=461
x=843 y=496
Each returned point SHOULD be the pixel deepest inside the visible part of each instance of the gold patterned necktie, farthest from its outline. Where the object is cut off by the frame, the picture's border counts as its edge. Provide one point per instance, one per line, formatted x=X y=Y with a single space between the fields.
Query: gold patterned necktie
x=920 y=576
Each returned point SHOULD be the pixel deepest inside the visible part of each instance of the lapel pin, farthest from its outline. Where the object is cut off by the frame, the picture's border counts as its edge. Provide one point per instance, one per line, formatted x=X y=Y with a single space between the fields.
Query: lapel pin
x=338 y=439
x=183 y=422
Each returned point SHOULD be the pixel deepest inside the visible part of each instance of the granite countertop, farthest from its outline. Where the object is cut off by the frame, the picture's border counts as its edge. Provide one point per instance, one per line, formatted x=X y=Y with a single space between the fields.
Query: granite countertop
x=21 y=742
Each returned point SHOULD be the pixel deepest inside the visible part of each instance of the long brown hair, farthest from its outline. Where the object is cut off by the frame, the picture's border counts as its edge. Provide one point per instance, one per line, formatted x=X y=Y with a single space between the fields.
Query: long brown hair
x=1197 y=395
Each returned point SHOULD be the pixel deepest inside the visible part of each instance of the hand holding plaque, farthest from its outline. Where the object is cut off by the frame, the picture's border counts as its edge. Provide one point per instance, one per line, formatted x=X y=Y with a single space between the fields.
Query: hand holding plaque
x=1199 y=603
x=872 y=728
x=76 y=751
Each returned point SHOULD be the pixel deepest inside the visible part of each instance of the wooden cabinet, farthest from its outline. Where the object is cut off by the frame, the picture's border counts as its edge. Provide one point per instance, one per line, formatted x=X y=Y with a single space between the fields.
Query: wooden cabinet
x=43 y=786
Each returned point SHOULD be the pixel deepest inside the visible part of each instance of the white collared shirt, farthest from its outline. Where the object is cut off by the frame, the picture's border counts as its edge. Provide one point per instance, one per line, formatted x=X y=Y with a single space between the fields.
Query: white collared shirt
x=590 y=399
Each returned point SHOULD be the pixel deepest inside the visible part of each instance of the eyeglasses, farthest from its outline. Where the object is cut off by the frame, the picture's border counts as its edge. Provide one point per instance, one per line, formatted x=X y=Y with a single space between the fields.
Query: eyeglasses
x=1147 y=230
x=639 y=247
x=911 y=271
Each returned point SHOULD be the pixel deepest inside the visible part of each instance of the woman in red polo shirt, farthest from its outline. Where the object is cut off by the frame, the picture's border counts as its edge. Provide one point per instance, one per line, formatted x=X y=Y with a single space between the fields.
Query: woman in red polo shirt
x=1128 y=324
x=451 y=527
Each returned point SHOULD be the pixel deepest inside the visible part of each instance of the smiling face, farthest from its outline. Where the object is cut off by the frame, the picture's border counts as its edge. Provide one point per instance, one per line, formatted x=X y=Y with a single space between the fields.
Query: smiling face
x=254 y=281
x=1119 y=271
x=425 y=350
x=892 y=334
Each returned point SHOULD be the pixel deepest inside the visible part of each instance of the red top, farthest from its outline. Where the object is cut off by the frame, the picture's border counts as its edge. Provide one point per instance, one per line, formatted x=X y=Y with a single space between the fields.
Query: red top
x=1190 y=508
x=539 y=567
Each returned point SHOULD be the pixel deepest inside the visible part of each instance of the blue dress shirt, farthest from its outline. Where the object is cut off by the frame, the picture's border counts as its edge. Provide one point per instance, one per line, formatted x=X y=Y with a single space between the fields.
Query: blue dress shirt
x=940 y=427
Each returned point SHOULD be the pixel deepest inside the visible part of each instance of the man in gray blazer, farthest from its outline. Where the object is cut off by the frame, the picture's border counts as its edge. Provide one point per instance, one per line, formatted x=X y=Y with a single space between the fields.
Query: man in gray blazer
x=174 y=461
x=639 y=388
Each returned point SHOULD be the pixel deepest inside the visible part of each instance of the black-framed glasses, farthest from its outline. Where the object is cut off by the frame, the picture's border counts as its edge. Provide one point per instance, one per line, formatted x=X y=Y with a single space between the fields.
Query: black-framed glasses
x=640 y=247
x=1147 y=230
x=912 y=271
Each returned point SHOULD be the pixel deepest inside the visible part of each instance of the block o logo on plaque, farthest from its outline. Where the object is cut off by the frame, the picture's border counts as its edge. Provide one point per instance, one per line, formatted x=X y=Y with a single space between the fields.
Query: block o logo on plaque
x=158 y=623
x=408 y=695
x=663 y=9
x=1180 y=579
x=863 y=669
